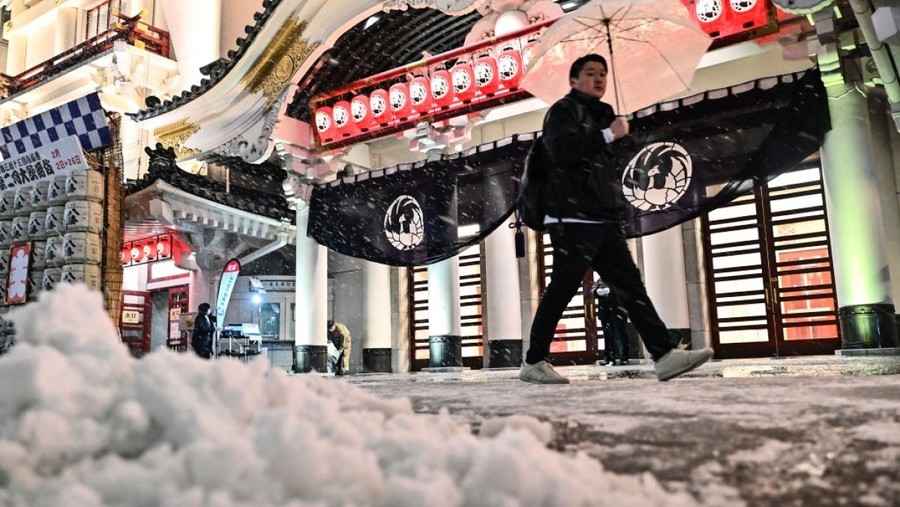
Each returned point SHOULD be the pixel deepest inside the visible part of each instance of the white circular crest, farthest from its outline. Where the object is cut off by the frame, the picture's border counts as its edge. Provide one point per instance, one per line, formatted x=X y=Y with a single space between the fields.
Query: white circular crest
x=484 y=74
x=658 y=176
x=404 y=223
x=341 y=116
x=708 y=10
x=323 y=121
x=743 y=5
x=398 y=100
x=378 y=105
x=439 y=87
x=461 y=80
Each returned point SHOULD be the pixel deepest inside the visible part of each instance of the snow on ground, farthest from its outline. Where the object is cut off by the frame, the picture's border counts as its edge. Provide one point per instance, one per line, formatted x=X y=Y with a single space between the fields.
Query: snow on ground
x=82 y=424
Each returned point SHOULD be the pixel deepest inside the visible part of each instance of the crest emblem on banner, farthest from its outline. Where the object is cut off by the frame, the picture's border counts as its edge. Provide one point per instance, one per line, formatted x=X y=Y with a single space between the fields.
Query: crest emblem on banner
x=404 y=223
x=658 y=176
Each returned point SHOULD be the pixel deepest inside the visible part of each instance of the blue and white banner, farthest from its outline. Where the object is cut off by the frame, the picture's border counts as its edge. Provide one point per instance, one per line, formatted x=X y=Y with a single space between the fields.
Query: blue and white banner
x=83 y=118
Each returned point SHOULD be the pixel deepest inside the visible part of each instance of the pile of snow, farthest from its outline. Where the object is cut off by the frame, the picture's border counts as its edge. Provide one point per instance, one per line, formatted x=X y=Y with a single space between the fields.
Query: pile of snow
x=82 y=424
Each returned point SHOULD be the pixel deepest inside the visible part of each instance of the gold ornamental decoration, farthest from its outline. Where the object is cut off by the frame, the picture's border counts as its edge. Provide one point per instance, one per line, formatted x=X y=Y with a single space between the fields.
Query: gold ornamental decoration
x=282 y=58
x=176 y=135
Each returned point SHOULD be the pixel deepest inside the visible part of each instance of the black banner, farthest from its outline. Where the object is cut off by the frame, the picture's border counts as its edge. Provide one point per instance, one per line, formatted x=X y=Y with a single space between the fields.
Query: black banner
x=683 y=159
x=421 y=213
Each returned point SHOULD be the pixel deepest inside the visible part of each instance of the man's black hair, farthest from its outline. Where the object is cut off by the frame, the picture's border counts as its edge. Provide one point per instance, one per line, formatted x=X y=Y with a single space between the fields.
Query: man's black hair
x=579 y=64
x=204 y=307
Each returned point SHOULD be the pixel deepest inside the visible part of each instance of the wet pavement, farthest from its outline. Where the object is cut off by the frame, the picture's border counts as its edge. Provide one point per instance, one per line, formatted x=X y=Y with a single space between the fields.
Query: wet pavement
x=816 y=431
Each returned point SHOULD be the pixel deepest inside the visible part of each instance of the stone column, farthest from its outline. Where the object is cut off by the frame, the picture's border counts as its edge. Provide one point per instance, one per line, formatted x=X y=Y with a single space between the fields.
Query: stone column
x=15 y=53
x=666 y=280
x=861 y=267
x=504 y=311
x=444 y=330
x=66 y=29
x=311 y=299
x=376 y=331
x=880 y=126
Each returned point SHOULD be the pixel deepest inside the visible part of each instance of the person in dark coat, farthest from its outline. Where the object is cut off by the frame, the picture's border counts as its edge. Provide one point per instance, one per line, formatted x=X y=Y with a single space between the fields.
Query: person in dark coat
x=613 y=318
x=584 y=207
x=202 y=336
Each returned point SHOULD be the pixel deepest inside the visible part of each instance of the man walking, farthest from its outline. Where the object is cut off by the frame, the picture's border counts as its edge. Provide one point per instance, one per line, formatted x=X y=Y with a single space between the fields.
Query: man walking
x=584 y=208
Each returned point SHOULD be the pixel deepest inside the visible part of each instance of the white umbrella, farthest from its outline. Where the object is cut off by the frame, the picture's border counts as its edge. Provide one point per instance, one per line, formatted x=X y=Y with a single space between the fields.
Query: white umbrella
x=652 y=48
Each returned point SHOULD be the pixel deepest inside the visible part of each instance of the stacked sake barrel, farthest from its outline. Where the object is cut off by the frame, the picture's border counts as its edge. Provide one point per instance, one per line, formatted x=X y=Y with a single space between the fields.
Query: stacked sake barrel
x=7 y=199
x=82 y=250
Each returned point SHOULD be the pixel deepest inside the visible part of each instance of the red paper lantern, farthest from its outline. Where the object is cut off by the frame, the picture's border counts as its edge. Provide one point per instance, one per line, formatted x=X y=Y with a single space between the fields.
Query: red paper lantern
x=149 y=250
x=463 y=81
x=442 y=88
x=325 y=124
x=487 y=76
x=511 y=69
x=380 y=106
x=420 y=94
x=126 y=254
x=748 y=14
x=362 y=116
x=342 y=119
x=401 y=105
x=164 y=247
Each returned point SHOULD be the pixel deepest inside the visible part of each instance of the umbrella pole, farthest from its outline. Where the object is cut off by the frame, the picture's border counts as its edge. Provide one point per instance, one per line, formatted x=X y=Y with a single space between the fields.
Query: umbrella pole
x=612 y=65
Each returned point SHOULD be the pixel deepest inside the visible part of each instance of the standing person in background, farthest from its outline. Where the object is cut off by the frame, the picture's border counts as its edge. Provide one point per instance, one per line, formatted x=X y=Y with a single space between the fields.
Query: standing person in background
x=338 y=348
x=202 y=336
x=613 y=318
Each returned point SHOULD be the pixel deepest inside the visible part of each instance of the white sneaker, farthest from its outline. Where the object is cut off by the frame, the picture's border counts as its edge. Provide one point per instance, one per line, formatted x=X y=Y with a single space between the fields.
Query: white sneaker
x=679 y=361
x=541 y=373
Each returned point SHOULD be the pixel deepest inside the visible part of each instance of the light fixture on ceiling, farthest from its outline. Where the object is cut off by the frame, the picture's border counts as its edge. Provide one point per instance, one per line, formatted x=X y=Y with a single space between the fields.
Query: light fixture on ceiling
x=371 y=21
x=568 y=6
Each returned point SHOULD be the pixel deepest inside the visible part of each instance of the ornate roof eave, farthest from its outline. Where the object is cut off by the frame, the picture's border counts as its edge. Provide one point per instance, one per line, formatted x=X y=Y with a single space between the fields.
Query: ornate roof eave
x=236 y=115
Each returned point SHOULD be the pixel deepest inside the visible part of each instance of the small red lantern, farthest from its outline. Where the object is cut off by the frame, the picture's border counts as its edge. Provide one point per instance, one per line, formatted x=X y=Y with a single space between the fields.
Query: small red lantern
x=126 y=254
x=325 y=124
x=164 y=247
x=420 y=94
x=748 y=14
x=401 y=105
x=380 y=106
x=463 y=81
x=149 y=250
x=341 y=115
x=136 y=253
x=511 y=69
x=361 y=115
x=487 y=76
x=442 y=88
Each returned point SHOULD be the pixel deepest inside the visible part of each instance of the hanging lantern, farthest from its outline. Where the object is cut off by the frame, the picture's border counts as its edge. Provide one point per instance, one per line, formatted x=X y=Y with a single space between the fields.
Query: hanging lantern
x=342 y=120
x=149 y=250
x=164 y=248
x=487 y=76
x=325 y=125
x=379 y=105
x=442 y=88
x=511 y=69
x=401 y=105
x=362 y=116
x=748 y=15
x=126 y=254
x=463 y=81
x=135 y=253
x=420 y=94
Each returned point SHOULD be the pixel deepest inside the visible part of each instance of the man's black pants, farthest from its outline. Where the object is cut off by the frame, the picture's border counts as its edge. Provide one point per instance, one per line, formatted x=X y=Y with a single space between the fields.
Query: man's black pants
x=577 y=248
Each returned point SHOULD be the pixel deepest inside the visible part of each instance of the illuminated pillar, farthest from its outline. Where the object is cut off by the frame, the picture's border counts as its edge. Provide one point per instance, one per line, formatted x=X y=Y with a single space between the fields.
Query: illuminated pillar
x=444 y=329
x=861 y=267
x=195 y=28
x=376 y=332
x=311 y=299
x=666 y=280
x=504 y=312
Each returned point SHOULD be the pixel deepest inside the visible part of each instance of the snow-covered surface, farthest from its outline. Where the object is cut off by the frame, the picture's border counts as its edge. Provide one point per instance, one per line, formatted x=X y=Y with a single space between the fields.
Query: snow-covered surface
x=82 y=424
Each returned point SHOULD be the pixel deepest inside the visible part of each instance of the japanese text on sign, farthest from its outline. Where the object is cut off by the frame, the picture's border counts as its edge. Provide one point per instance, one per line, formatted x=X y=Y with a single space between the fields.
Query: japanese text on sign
x=41 y=164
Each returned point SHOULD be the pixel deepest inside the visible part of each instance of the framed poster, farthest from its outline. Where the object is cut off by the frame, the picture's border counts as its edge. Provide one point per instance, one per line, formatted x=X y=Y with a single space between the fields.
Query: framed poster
x=17 y=283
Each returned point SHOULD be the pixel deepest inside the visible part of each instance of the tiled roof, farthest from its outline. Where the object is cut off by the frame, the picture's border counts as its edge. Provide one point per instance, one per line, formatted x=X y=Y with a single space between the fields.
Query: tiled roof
x=214 y=71
x=264 y=201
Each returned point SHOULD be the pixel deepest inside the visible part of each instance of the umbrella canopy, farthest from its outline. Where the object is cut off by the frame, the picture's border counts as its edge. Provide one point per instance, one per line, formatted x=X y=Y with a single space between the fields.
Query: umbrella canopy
x=652 y=48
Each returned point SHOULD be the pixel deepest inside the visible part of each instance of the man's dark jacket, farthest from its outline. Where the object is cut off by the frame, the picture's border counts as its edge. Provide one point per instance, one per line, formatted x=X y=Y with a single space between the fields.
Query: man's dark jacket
x=581 y=171
x=202 y=337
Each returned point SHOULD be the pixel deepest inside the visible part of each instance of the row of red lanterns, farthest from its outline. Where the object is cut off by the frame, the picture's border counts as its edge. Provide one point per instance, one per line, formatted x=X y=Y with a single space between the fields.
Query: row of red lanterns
x=142 y=251
x=420 y=96
x=721 y=18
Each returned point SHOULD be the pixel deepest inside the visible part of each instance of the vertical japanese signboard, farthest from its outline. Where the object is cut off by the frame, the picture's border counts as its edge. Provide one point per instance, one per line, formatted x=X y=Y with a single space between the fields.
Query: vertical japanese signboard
x=226 y=286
